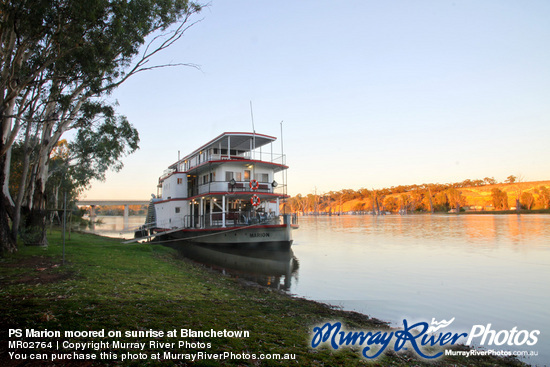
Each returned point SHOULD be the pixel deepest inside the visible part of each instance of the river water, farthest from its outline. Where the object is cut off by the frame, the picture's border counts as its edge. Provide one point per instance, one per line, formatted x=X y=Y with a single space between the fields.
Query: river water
x=477 y=269
x=114 y=225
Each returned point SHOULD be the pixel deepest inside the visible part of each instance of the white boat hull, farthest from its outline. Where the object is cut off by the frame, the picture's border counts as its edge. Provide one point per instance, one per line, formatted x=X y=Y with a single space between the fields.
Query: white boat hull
x=263 y=236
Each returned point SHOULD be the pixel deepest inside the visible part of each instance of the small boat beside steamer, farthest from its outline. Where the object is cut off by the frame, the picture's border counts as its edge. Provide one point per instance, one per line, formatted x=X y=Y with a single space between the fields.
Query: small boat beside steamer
x=227 y=192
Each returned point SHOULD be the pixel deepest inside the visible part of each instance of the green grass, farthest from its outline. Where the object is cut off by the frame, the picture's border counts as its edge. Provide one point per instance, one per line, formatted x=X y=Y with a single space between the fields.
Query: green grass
x=106 y=285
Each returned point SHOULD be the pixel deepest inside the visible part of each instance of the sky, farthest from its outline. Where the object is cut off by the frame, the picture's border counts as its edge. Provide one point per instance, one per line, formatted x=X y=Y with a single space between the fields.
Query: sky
x=371 y=94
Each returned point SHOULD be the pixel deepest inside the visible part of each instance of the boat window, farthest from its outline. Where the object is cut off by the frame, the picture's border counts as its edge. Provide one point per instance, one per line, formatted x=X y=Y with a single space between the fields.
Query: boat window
x=232 y=175
x=177 y=209
x=262 y=177
x=180 y=181
x=247 y=175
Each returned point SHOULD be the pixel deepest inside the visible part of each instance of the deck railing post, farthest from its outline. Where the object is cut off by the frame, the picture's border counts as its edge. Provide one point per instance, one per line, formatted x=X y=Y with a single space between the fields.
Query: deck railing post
x=211 y=209
x=223 y=211
x=201 y=213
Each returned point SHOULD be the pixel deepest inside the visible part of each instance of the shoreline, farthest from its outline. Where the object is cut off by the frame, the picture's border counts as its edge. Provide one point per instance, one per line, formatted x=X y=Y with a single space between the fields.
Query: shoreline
x=469 y=212
x=145 y=286
x=504 y=212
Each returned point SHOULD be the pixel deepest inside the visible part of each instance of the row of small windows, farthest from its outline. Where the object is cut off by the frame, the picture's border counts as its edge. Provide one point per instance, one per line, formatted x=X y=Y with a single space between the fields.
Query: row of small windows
x=229 y=175
x=224 y=151
x=200 y=158
x=211 y=177
x=237 y=176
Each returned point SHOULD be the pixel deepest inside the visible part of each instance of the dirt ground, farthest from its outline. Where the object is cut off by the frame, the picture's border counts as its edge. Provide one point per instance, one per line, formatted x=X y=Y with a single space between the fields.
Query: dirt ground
x=34 y=270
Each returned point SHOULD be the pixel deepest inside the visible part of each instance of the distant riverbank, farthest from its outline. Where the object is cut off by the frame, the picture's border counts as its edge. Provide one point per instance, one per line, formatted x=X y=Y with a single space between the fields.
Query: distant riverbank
x=521 y=211
x=106 y=285
x=469 y=195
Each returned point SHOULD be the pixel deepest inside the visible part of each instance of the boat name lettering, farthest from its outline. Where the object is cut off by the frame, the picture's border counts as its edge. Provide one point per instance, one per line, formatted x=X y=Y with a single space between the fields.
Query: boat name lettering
x=263 y=234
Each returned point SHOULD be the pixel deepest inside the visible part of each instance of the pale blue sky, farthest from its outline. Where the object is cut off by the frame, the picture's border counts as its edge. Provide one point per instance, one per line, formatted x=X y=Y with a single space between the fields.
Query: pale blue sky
x=372 y=93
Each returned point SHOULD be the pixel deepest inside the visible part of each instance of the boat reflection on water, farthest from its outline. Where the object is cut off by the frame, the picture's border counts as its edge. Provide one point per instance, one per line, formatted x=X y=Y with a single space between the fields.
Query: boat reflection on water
x=269 y=268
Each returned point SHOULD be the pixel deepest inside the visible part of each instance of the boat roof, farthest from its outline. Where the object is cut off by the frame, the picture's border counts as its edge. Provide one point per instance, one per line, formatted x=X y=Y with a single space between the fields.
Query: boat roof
x=232 y=140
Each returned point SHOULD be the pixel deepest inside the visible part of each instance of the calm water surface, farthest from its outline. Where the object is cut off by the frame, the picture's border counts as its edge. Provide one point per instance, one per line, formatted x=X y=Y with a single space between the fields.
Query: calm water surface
x=479 y=269
x=114 y=226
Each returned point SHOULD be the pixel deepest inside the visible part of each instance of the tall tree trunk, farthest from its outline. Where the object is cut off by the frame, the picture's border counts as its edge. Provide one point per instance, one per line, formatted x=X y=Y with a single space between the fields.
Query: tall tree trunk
x=36 y=219
x=22 y=183
x=430 y=200
x=7 y=241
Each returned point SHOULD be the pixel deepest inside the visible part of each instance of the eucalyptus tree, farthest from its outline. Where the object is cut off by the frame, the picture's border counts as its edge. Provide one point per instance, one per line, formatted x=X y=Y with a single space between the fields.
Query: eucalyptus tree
x=455 y=198
x=543 y=193
x=58 y=57
x=499 y=199
x=527 y=200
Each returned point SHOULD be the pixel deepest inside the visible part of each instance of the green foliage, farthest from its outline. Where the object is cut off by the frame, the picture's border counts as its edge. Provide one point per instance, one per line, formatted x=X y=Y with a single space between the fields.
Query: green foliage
x=97 y=149
x=543 y=196
x=441 y=203
x=499 y=199
x=527 y=200
x=455 y=198
x=391 y=203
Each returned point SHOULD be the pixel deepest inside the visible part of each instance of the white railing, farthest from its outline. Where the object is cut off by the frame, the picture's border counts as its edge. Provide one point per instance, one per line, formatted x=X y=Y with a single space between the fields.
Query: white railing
x=240 y=186
x=232 y=219
x=166 y=173
x=254 y=155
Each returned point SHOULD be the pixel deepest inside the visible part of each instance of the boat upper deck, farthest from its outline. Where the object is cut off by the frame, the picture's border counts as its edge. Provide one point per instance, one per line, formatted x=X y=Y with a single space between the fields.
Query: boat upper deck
x=232 y=146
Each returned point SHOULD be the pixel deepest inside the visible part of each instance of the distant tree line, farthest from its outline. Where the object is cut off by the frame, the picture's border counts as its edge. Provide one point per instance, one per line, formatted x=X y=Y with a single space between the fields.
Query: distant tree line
x=427 y=198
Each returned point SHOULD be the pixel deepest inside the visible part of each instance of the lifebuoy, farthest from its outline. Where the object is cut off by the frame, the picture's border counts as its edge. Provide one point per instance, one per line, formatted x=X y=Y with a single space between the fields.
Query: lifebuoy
x=255 y=200
x=254 y=184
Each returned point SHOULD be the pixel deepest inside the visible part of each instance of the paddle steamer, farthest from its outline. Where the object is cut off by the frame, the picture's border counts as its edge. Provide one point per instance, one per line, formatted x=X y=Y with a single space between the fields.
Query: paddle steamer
x=227 y=192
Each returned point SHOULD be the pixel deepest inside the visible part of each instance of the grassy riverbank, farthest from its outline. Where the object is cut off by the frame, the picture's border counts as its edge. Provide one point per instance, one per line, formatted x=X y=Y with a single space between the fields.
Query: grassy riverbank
x=106 y=285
